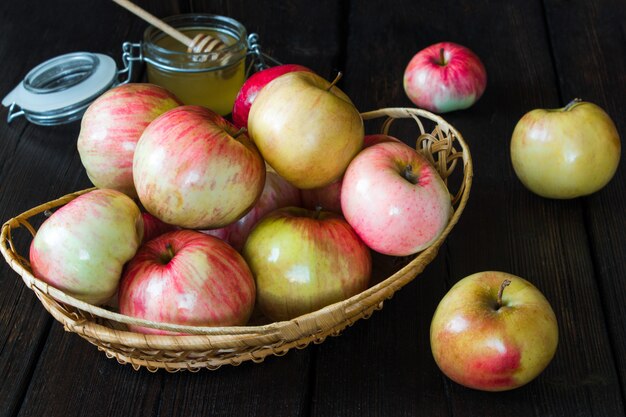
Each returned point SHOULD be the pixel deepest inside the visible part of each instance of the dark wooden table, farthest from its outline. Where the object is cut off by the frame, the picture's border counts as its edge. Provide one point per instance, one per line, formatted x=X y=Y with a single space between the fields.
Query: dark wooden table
x=537 y=54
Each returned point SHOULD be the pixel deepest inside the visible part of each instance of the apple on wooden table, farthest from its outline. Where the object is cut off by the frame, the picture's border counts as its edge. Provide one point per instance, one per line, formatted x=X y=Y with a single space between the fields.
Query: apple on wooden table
x=187 y=277
x=306 y=128
x=493 y=331
x=395 y=199
x=444 y=77
x=565 y=153
x=250 y=89
x=194 y=169
x=83 y=246
x=111 y=127
x=303 y=260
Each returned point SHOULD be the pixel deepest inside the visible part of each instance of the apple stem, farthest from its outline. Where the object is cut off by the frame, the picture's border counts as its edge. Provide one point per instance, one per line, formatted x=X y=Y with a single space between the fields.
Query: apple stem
x=442 y=58
x=239 y=132
x=335 y=81
x=318 y=211
x=572 y=104
x=504 y=284
x=165 y=258
x=409 y=175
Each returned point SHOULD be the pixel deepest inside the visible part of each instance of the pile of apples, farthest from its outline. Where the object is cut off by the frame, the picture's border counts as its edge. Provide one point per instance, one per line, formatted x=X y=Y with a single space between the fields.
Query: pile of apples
x=200 y=221
x=197 y=220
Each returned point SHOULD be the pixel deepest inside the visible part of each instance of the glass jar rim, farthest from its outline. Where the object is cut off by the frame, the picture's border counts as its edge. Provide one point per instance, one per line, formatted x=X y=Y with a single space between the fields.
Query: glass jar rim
x=238 y=31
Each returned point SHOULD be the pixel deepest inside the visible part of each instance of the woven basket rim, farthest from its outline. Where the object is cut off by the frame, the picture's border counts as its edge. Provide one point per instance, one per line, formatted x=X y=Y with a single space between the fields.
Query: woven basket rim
x=313 y=326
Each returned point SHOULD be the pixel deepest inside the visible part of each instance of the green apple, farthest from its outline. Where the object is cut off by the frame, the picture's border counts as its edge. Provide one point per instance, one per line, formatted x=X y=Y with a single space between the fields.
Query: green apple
x=565 y=153
x=303 y=260
x=493 y=331
x=82 y=248
x=307 y=129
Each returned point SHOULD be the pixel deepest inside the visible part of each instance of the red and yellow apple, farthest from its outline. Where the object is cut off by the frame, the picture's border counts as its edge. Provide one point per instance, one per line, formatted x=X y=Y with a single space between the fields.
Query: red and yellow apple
x=307 y=129
x=395 y=199
x=187 y=277
x=194 y=169
x=445 y=77
x=111 y=127
x=565 y=153
x=303 y=260
x=493 y=331
x=83 y=246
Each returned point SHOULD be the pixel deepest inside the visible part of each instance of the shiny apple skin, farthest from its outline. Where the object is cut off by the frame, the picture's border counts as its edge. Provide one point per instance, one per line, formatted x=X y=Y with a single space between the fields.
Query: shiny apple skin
x=329 y=197
x=490 y=349
x=307 y=134
x=565 y=153
x=277 y=193
x=303 y=260
x=205 y=283
x=249 y=90
x=191 y=171
x=393 y=215
x=455 y=85
x=111 y=127
x=83 y=246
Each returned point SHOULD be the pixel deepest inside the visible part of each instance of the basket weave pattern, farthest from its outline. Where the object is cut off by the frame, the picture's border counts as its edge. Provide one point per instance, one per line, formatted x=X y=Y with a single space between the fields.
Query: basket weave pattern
x=211 y=347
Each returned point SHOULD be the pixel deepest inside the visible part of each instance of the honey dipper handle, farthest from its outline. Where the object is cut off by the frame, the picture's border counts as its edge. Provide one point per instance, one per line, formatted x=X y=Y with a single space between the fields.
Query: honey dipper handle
x=155 y=21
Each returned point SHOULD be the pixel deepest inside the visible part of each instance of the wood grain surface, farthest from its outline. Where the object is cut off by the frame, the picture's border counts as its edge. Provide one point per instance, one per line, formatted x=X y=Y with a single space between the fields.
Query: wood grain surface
x=537 y=54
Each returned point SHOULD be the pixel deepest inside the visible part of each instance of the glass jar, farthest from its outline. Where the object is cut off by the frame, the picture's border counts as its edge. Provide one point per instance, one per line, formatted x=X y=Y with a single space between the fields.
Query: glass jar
x=208 y=79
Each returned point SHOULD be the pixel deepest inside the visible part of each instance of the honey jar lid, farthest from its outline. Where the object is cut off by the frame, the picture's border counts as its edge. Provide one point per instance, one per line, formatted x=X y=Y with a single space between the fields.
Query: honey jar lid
x=60 y=89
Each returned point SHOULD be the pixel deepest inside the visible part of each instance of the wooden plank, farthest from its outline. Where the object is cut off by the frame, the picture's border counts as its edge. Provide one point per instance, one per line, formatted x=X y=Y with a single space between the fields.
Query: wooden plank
x=588 y=44
x=504 y=228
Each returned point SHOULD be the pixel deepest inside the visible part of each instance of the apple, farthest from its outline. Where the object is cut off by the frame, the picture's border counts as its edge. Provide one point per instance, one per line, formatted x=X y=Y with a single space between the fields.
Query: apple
x=395 y=199
x=82 y=247
x=153 y=227
x=445 y=77
x=493 y=331
x=565 y=153
x=329 y=196
x=111 y=127
x=187 y=277
x=307 y=129
x=276 y=193
x=252 y=86
x=194 y=169
x=303 y=260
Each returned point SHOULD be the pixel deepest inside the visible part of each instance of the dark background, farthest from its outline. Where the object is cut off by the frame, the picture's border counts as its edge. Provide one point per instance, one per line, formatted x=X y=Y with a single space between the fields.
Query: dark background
x=537 y=54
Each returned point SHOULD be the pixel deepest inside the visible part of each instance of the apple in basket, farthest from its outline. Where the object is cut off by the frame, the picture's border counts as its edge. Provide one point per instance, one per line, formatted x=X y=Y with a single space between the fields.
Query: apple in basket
x=194 y=169
x=565 y=153
x=307 y=129
x=277 y=193
x=493 y=331
x=83 y=246
x=111 y=127
x=329 y=196
x=303 y=260
x=445 y=77
x=187 y=277
x=395 y=199
x=252 y=86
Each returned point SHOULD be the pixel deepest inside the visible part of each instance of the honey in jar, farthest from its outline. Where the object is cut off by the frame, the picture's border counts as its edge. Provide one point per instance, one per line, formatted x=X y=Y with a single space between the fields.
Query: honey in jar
x=210 y=79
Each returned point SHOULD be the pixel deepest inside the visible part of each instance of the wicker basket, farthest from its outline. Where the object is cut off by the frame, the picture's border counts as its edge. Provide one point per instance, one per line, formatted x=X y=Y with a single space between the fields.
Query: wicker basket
x=211 y=347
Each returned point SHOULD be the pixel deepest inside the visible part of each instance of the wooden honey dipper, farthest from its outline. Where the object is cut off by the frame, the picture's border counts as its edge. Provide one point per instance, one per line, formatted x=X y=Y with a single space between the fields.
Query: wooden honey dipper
x=202 y=43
